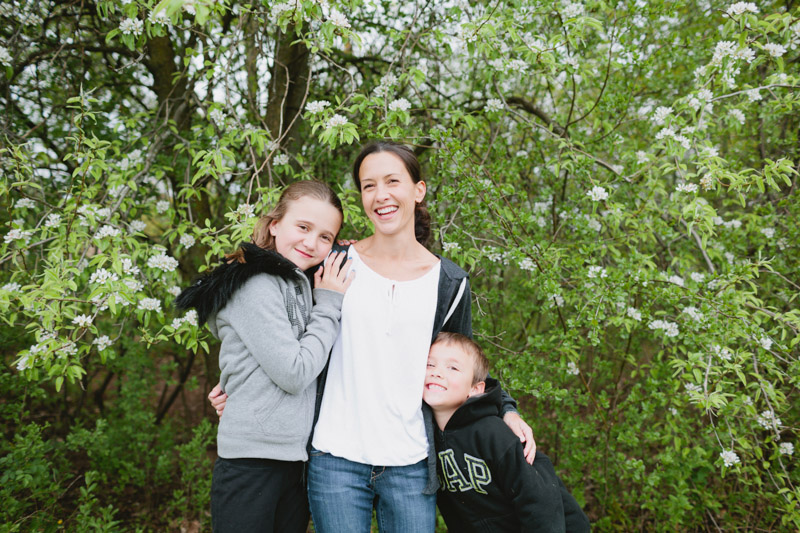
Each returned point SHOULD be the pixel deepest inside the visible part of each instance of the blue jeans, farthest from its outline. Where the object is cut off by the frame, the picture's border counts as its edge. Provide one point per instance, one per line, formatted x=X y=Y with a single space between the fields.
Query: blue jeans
x=342 y=493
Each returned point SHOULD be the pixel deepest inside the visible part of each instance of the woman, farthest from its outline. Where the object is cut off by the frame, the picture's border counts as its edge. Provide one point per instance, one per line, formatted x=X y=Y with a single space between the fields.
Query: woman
x=373 y=442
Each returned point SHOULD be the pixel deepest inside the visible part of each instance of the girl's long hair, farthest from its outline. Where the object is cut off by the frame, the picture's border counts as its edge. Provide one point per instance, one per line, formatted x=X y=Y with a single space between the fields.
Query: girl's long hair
x=299 y=189
x=422 y=219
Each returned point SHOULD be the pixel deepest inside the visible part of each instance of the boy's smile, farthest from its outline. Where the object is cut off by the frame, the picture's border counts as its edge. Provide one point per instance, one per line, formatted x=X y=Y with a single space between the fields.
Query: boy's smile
x=448 y=379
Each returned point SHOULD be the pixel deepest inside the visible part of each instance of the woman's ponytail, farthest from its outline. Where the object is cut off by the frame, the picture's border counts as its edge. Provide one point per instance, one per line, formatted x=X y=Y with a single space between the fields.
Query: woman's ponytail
x=422 y=223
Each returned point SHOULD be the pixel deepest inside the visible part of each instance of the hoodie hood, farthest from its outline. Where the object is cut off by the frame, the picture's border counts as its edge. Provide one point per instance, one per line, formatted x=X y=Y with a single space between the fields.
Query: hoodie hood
x=212 y=292
x=479 y=406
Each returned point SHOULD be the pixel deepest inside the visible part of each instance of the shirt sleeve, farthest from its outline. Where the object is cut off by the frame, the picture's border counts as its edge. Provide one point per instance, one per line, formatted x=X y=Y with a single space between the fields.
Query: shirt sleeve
x=258 y=315
x=533 y=490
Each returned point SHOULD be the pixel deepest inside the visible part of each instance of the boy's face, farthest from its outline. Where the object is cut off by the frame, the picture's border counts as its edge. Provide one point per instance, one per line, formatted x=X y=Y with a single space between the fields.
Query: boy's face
x=448 y=380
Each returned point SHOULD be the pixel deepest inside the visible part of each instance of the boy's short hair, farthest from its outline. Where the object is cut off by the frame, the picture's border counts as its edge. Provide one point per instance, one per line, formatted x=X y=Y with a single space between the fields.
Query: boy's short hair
x=480 y=364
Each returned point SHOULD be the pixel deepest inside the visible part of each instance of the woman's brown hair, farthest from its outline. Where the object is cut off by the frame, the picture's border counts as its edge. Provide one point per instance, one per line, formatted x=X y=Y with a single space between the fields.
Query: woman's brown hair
x=422 y=219
x=299 y=189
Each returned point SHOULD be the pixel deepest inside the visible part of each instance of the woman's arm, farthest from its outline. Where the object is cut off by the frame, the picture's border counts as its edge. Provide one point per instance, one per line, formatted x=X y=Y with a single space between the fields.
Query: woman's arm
x=460 y=321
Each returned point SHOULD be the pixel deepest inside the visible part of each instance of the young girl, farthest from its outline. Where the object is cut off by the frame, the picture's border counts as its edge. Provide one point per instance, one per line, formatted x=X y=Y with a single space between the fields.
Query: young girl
x=275 y=340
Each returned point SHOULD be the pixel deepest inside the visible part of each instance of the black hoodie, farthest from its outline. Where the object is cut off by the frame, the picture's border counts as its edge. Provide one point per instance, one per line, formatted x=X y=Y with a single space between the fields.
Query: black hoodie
x=486 y=485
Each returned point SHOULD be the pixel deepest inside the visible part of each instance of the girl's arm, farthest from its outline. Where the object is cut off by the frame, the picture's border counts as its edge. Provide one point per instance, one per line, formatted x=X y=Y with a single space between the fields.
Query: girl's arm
x=460 y=321
x=258 y=315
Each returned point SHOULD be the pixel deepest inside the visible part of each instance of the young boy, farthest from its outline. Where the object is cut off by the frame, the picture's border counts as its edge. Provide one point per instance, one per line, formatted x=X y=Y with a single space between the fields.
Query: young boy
x=486 y=483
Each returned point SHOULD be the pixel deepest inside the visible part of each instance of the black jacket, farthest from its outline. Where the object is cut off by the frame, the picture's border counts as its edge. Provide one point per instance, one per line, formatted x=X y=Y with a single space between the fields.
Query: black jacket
x=486 y=485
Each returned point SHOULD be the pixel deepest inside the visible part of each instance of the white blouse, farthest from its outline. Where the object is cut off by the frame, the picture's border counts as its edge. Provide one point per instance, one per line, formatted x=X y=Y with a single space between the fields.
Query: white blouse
x=371 y=410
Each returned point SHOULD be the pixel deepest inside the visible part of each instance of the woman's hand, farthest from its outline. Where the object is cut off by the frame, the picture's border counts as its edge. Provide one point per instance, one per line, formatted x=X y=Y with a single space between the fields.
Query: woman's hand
x=217 y=399
x=332 y=275
x=524 y=432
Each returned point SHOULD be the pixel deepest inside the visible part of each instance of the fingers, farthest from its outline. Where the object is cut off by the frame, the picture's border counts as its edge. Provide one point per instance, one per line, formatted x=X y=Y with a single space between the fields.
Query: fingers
x=216 y=391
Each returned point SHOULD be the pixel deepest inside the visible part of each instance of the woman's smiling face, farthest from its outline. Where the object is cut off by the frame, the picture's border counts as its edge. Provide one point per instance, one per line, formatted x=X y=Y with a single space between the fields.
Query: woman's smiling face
x=388 y=193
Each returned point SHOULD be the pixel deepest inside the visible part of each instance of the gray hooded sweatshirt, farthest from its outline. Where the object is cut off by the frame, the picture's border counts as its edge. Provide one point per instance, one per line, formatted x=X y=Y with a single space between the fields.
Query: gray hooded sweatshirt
x=275 y=342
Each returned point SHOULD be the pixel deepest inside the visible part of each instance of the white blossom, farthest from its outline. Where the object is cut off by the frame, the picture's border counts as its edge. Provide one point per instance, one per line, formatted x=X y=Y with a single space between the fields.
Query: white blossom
x=729 y=458
x=280 y=159
x=102 y=342
x=596 y=272
x=573 y=369
x=25 y=203
x=128 y=267
x=572 y=10
x=134 y=284
x=665 y=132
x=187 y=240
x=5 y=57
x=450 y=246
x=692 y=387
x=527 y=264
x=494 y=105
x=742 y=7
x=82 y=321
x=697 y=277
x=765 y=342
x=753 y=95
x=786 y=448
x=721 y=352
x=11 y=287
x=676 y=280
x=107 y=231
x=163 y=262
x=634 y=313
x=597 y=193
x=661 y=115
x=217 y=116
x=705 y=95
x=52 y=221
x=246 y=210
x=686 y=187
x=176 y=323
x=317 y=106
x=670 y=328
x=642 y=157
x=338 y=19
x=388 y=80
x=768 y=420
x=150 y=304
x=694 y=313
x=174 y=290
x=594 y=224
x=162 y=206
x=400 y=104
x=25 y=361
x=160 y=17
x=101 y=276
x=131 y=26
x=775 y=50
x=137 y=226
x=769 y=233
x=17 y=234
x=737 y=115
x=710 y=151
x=191 y=317
x=336 y=120
x=557 y=299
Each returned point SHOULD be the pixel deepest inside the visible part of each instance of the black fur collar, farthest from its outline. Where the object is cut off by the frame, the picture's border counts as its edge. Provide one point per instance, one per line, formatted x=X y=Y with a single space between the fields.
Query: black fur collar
x=211 y=292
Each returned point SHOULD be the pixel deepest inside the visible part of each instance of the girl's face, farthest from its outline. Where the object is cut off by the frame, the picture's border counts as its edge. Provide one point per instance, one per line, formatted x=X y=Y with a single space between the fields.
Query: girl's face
x=306 y=232
x=388 y=193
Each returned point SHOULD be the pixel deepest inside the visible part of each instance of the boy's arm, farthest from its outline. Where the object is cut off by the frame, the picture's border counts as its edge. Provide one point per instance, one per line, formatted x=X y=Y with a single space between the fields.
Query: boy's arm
x=534 y=490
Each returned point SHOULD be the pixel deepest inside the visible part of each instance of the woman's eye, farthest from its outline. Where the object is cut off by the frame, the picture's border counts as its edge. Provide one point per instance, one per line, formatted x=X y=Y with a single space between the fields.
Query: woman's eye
x=326 y=238
x=430 y=365
x=367 y=186
x=302 y=227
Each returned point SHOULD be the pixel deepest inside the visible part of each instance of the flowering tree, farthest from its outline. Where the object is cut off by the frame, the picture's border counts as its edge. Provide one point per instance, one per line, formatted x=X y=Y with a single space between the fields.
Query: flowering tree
x=621 y=181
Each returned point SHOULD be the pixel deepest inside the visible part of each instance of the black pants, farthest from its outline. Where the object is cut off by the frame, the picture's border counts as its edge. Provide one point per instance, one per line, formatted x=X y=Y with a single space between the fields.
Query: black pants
x=258 y=495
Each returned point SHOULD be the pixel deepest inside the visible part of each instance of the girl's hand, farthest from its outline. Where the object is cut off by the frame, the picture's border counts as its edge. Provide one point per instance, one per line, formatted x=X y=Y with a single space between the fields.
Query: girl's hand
x=346 y=242
x=332 y=275
x=217 y=399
